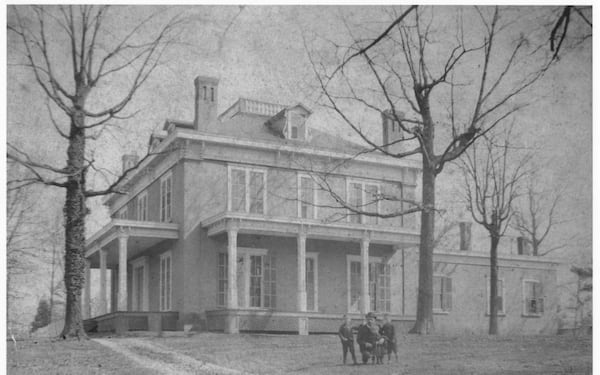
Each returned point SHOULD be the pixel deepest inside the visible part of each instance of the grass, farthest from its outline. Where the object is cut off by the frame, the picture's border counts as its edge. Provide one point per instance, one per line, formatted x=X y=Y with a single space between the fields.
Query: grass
x=279 y=354
x=417 y=354
x=70 y=357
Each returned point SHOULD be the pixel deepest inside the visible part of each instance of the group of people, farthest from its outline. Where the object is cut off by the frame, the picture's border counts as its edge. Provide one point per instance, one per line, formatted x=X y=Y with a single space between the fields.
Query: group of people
x=371 y=337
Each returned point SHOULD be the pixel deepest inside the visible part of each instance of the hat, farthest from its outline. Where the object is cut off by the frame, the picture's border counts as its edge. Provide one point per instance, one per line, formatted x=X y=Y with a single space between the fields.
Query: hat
x=371 y=315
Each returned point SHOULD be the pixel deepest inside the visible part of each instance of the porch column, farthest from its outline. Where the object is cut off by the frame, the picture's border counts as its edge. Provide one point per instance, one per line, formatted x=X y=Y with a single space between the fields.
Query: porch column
x=103 y=304
x=122 y=292
x=364 y=262
x=303 y=320
x=85 y=310
x=302 y=271
x=232 y=320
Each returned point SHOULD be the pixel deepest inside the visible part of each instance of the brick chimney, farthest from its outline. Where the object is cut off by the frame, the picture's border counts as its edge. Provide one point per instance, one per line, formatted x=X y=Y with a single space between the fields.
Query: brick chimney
x=392 y=131
x=129 y=160
x=205 y=110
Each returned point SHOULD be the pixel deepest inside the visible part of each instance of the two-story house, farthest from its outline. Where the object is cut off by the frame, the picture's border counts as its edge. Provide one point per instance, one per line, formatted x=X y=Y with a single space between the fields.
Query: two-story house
x=243 y=221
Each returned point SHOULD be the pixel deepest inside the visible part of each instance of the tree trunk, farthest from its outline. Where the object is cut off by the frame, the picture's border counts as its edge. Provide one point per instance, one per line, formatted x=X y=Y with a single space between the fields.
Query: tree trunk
x=424 y=322
x=493 y=328
x=75 y=210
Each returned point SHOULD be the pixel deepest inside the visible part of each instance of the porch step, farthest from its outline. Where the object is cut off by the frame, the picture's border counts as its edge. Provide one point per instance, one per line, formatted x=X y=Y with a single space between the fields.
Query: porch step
x=90 y=325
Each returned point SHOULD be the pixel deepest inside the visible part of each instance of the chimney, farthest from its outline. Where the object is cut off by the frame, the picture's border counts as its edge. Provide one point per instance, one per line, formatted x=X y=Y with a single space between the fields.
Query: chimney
x=392 y=131
x=129 y=160
x=465 y=235
x=205 y=104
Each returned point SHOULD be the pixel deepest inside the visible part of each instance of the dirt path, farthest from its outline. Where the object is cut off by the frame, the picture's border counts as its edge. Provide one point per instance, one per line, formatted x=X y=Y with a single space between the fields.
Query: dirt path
x=162 y=360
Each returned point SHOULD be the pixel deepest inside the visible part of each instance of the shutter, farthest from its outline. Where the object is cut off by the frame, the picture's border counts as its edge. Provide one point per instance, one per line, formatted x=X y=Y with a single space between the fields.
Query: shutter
x=449 y=293
x=446 y=293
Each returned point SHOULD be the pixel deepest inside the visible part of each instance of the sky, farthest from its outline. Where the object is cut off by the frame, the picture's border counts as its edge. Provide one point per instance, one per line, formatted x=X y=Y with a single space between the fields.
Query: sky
x=260 y=52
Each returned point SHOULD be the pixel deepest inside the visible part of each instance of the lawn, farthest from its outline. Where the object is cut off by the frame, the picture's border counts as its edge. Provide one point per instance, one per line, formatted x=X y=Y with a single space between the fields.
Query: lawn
x=72 y=357
x=321 y=354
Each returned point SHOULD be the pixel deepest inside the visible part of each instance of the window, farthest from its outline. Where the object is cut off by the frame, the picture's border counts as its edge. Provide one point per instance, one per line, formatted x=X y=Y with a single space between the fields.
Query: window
x=205 y=93
x=212 y=94
x=379 y=284
x=499 y=296
x=142 y=206
x=355 y=289
x=307 y=197
x=442 y=293
x=295 y=128
x=123 y=213
x=247 y=190
x=256 y=279
x=364 y=197
x=533 y=298
x=139 y=284
x=165 y=281
x=222 y=279
x=379 y=287
x=166 y=197
x=312 y=288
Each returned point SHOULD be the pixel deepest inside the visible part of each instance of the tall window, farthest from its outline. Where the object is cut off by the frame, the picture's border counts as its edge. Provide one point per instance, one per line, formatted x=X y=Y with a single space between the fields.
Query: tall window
x=364 y=197
x=355 y=290
x=165 y=281
x=166 y=196
x=499 y=296
x=142 y=206
x=311 y=282
x=533 y=298
x=442 y=293
x=222 y=279
x=256 y=280
x=379 y=286
x=139 y=286
x=306 y=197
x=247 y=190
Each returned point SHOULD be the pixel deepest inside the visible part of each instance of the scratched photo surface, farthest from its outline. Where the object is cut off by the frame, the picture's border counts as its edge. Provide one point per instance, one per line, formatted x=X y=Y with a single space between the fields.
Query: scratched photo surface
x=269 y=189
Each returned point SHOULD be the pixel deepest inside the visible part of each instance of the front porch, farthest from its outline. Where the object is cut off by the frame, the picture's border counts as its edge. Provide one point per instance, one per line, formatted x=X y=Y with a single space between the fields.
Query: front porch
x=124 y=293
x=252 y=320
x=358 y=274
x=125 y=321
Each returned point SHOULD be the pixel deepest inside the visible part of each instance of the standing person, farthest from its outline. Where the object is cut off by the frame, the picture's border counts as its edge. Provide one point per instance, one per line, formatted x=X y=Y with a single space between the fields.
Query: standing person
x=367 y=337
x=389 y=332
x=347 y=338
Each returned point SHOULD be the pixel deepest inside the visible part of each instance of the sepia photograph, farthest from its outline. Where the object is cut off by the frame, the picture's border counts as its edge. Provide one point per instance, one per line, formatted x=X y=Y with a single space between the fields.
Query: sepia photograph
x=310 y=189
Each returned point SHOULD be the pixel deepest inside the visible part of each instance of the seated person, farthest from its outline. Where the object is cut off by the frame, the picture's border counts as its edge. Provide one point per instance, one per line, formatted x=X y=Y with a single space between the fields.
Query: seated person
x=367 y=337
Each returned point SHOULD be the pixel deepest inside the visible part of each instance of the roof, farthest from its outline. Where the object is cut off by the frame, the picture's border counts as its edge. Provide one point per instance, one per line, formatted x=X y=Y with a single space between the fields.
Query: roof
x=254 y=127
x=249 y=119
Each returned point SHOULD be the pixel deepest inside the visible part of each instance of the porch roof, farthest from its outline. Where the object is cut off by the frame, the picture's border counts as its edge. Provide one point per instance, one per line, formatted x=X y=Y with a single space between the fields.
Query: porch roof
x=141 y=235
x=290 y=227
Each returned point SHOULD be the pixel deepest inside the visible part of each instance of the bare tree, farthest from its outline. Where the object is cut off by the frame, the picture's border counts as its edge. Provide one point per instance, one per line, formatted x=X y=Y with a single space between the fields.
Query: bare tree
x=491 y=181
x=74 y=56
x=562 y=26
x=537 y=217
x=445 y=78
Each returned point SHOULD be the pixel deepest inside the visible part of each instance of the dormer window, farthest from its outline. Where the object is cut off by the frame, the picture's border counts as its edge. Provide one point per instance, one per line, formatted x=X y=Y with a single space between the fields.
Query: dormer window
x=296 y=127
